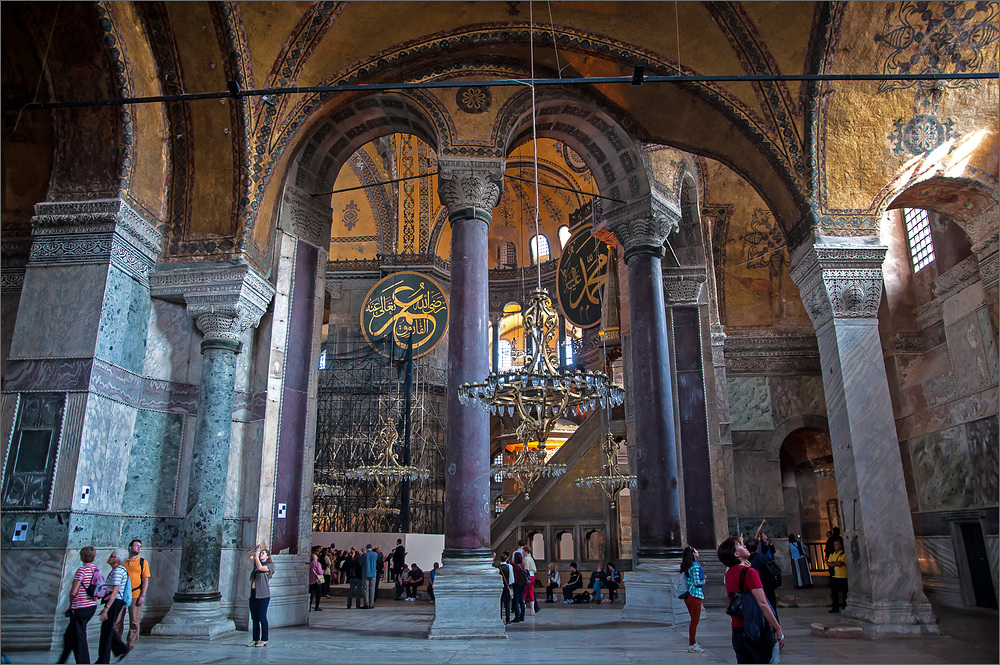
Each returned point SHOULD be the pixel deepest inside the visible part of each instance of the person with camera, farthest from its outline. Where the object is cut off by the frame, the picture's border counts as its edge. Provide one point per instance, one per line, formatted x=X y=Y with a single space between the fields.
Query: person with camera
x=260 y=593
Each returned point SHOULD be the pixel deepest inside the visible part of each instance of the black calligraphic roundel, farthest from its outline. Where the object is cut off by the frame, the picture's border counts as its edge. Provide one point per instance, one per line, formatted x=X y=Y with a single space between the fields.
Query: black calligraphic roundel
x=583 y=268
x=401 y=304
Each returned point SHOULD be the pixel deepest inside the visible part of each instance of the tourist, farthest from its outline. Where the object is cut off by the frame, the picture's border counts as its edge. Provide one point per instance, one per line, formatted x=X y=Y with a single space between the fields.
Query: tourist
x=520 y=581
x=260 y=594
x=529 y=590
x=759 y=563
x=81 y=609
x=597 y=582
x=315 y=580
x=119 y=597
x=695 y=576
x=800 y=563
x=138 y=573
x=740 y=576
x=828 y=546
x=352 y=568
x=369 y=572
x=402 y=580
x=433 y=574
x=507 y=574
x=575 y=582
x=764 y=544
x=415 y=580
x=327 y=559
x=838 y=580
x=612 y=580
x=553 y=584
x=398 y=558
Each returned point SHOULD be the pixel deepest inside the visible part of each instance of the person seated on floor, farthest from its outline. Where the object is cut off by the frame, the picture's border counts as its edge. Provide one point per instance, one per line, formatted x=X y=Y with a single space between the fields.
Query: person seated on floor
x=575 y=582
x=415 y=580
x=597 y=582
x=612 y=580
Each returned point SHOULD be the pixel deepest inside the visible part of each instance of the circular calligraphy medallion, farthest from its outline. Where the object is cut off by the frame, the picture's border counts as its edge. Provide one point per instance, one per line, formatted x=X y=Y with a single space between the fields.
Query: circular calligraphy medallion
x=402 y=304
x=583 y=268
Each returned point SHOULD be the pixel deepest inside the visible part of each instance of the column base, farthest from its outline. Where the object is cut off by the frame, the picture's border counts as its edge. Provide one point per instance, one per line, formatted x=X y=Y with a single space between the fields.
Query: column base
x=467 y=600
x=649 y=593
x=205 y=620
x=891 y=618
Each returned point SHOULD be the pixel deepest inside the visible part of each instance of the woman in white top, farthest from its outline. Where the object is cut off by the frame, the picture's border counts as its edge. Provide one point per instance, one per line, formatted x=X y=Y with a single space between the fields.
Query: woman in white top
x=554 y=583
x=119 y=596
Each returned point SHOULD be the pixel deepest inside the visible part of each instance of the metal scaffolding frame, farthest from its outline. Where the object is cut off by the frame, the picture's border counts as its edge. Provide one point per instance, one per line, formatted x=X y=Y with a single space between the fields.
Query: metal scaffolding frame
x=359 y=391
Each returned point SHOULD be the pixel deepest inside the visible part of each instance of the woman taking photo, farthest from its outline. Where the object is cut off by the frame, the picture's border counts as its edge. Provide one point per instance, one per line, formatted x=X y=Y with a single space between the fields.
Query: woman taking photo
x=260 y=594
x=81 y=609
x=741 y=577
x=695 y=576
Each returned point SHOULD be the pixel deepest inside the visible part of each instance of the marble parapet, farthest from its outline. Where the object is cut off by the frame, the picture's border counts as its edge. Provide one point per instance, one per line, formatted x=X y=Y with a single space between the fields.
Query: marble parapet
x=467 y=600
x=650 y=596
x=99 y=231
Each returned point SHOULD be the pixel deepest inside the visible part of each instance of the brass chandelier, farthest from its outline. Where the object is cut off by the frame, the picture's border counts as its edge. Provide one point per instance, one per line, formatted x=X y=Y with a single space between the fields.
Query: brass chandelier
x=387 y=473
x=612 y=480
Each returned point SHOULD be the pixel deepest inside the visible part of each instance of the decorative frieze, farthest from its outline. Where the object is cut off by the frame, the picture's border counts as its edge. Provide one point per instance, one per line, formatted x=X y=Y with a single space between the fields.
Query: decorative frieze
x=957 y=278
x=89 y=232
x=987 y=254
x=470 y=188
x=225 y=299
x=642 y=225
x=305 y=217
x=840 y=278
x=11 y=280
x=768 y=352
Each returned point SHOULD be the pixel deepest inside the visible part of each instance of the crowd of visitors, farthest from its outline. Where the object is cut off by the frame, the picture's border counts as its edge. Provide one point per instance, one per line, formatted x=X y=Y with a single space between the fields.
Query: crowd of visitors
x=362 y=570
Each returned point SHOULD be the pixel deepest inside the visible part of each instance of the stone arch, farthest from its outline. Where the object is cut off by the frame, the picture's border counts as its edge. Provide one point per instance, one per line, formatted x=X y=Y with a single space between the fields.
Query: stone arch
x=781 y=432
x=607 y=149
x=971 y=203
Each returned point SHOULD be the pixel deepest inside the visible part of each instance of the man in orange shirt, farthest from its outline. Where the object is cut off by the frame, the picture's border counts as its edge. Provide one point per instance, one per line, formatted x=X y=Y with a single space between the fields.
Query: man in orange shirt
x=138 y=573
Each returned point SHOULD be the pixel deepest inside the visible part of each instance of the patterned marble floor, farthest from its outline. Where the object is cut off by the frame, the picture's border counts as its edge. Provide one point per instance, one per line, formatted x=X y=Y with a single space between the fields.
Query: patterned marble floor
x=395 y=632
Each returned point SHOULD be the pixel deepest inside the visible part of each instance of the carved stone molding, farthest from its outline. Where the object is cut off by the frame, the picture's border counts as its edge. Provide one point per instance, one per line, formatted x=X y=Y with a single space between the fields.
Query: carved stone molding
x=989 y=259
x=11 y=280
x=718 y=346
x=99 y=231
x=759 y=352
x=957 y=278
x=335 y=290
x=840 y=278
x=682 y=286
x=224 y=298
x=305 y=217
x=470 y=188
x=642 y=225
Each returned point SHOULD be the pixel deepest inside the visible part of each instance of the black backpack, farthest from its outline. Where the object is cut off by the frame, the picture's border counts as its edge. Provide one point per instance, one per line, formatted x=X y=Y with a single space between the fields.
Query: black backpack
x=774 y=570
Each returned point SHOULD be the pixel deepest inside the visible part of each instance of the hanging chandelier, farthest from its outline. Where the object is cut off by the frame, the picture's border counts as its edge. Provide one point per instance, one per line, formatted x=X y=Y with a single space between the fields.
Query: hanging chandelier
x=387 y=471
x=612 y=481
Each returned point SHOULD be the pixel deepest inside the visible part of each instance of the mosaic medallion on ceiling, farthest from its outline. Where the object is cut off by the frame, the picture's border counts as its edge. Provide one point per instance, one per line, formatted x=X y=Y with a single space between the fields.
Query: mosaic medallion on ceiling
x=474 y=99
x=921 y=134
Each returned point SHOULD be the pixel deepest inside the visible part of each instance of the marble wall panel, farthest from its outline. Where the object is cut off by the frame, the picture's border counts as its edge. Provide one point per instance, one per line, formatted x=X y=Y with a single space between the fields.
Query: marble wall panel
x=939 y=570
x=795 y=396
x=109 y=531
x=968 y=355
x=9 y=303
x=247 y=505
x=29 y=617
x=989 y=344
x=43 y=329
x=154 y=464
x=758 y=484
x=169 y=352
x=121 y=338
x=941 y=471
x=932 y=419
x=104 y=454
x=744 y=440
x=244 y=361
x=981 y=436
x=236 y=469
x=750 y=403
x=64 y=485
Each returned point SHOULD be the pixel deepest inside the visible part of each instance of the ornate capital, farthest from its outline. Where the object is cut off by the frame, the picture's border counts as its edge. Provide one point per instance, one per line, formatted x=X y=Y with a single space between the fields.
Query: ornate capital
x=642 y=225
x=840 y=278
x=99 y=231
x=682 y=286
x=305 y=217
x=470 y=188
x=989 y=259
x=225 y=299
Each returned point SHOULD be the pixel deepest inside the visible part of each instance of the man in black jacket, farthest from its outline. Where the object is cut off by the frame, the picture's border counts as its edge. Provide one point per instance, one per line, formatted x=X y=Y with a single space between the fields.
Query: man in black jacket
x=759 y=563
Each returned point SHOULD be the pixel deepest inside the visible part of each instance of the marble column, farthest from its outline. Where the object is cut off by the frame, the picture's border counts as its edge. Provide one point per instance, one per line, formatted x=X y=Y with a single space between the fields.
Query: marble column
x=225 y=300
x=840 y=280
x=467 y=587
x=641 y=227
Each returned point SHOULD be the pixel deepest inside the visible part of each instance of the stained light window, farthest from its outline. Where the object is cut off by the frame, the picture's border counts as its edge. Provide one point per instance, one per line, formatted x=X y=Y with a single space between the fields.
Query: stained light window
x=564 y=235
x=918 y=235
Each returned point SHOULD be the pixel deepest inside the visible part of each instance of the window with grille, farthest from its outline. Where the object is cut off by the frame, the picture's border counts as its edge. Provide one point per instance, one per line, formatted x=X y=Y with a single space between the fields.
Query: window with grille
x=918 y=235
x=539 y=246
x=506 y=359
x=508 y=254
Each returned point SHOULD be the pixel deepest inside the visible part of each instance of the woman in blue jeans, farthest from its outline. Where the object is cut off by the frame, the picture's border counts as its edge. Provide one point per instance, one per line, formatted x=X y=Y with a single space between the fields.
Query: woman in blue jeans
x=260 y=594
x=520 y=581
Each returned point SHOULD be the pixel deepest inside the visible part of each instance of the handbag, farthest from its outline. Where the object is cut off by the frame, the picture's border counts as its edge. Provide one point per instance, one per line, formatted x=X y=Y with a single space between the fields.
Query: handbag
x=735 y=607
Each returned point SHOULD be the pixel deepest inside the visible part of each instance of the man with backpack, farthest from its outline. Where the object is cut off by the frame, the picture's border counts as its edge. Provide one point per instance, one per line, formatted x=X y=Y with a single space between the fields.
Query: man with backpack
x=764 y=570
x=138 y=573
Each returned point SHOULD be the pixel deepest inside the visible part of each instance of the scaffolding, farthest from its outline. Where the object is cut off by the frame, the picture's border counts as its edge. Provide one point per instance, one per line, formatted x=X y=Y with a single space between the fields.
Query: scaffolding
x=359 y=391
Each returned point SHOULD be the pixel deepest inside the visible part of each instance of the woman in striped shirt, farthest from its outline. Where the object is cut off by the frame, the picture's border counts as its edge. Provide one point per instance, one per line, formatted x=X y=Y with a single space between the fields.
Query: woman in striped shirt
x=81 y=609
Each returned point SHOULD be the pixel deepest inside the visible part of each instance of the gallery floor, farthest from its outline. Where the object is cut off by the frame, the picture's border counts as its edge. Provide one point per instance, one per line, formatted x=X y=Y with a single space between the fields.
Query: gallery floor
x=395 y=632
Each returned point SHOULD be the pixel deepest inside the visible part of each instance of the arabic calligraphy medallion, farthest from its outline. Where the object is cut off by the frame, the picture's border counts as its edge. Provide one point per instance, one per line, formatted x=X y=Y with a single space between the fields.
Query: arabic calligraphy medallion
x=580 y=279
x=401 y=304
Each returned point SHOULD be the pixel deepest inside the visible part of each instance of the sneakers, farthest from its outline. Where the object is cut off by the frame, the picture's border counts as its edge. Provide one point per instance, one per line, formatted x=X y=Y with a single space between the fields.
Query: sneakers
x=696 y=648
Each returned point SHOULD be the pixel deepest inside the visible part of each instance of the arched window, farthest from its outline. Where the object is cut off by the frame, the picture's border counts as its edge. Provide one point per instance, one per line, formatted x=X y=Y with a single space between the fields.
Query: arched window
x=537 y=542
x=507 y=254
x=506 y=355
x=564 y=235
x=565 y=545
x=595 y=546
x=539 y=247
x=918 y=237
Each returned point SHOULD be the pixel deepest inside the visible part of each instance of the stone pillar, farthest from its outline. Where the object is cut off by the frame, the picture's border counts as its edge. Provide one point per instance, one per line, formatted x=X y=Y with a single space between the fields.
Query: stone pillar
x=641 y=227
x=225 y=300
x=467 y=587
x=723 y=485
x=495 y=360
x=840 y=280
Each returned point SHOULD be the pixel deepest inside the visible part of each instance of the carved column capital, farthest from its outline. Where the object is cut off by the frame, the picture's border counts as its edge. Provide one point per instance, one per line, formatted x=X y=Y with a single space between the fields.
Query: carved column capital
x=470 y=188
x=224 y=298
x=305 y=217
x=682 y=285
x=840 y=278
x=718 y=346
x=987 y=255
x=98 y=231
x=642 y=225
